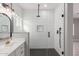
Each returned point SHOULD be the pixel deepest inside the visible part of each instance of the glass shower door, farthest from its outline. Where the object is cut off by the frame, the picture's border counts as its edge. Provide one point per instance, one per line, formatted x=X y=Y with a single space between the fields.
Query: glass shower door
x=59 y=29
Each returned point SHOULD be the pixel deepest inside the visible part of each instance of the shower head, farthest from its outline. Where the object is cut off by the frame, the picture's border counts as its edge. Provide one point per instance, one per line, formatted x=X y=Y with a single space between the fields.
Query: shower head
x=38 y=10
x=38 y=15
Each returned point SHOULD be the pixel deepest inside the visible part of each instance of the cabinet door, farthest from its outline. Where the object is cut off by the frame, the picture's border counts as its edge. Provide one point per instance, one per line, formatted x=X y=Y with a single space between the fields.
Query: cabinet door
x=20 y=50
x=13 y=53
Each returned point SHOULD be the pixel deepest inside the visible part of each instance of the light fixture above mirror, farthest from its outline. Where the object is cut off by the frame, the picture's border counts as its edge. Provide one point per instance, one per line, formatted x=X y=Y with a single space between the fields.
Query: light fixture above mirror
x=5 y=5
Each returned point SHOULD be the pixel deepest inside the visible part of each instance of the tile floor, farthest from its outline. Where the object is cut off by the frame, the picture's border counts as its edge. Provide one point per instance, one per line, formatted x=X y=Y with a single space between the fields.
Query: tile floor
x=43 y=52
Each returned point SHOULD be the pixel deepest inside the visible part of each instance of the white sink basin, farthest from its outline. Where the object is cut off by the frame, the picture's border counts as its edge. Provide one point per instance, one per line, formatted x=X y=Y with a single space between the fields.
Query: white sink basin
x=3 y=43
x=6 y=48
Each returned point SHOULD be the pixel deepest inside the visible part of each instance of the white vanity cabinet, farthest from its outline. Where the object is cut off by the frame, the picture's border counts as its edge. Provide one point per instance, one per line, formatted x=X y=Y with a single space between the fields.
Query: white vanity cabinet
x=19 y=51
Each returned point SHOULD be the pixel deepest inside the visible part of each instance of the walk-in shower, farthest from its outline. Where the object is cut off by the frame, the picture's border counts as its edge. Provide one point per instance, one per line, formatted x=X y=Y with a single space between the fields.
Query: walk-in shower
x=44 y=40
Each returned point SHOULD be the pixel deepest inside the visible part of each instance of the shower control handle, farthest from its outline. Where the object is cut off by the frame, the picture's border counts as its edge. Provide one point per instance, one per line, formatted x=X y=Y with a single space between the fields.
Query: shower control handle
x=59 y=33
x=48 y=34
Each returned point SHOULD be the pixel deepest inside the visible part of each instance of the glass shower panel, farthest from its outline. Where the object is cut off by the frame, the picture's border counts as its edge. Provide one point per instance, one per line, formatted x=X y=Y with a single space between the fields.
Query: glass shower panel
x=59 y=29
x=46 y=32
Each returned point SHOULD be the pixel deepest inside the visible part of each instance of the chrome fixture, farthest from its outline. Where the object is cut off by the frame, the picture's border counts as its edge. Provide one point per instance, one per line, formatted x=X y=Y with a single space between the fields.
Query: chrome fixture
x=48 y=34
x=38 y=10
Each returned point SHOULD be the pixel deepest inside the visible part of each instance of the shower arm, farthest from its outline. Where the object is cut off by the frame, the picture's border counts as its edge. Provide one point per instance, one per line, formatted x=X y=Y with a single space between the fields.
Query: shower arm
x=38 y=10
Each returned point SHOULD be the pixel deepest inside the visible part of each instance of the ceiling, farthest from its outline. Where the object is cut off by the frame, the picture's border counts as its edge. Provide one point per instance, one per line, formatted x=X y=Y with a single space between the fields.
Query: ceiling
x=34 y=6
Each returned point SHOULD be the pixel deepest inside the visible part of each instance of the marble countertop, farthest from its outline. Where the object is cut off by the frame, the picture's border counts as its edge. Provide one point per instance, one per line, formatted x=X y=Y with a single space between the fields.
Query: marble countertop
x=5 y=50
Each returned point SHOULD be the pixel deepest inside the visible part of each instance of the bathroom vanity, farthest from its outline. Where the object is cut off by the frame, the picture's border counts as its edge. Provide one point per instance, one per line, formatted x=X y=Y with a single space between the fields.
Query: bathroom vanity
x=15 y=48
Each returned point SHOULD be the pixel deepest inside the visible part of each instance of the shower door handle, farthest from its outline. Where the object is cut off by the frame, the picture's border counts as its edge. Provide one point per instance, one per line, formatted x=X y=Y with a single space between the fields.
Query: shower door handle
x=60 y=37
x=59 y=33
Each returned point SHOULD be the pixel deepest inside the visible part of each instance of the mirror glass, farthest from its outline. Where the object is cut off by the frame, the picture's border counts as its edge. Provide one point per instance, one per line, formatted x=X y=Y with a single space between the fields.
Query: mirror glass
x=4 y=25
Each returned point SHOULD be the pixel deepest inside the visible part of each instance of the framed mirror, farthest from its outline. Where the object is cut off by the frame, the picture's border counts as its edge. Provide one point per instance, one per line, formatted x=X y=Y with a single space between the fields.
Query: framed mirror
x=6 y=25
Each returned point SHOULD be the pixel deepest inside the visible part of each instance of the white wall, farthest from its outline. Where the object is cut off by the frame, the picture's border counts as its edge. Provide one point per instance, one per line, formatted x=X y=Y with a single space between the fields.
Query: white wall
x=18 y=18
x=30 y=22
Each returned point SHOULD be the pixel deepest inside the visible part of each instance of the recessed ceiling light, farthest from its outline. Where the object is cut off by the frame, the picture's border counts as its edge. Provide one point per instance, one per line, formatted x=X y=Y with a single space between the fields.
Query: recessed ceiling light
x=45 y=5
